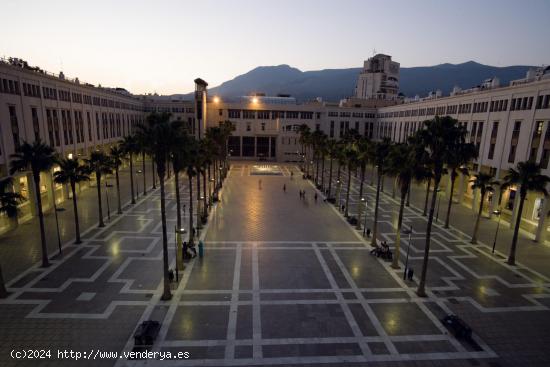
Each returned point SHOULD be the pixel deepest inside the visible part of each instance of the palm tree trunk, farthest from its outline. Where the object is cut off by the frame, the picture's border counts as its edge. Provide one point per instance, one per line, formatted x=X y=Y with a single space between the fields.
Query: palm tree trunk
x=132 y=179
x=45 y=261
x=421 y=291
x=382 y=186
x=323 y=175
x=143 y=169
x=75 y=209
x=427 y=197
x=330 y=179
x=375 y=222
x=99 y=207
x=409 y=195
x=395 y=263
x=166 y=295
x=372 y=175
x=191 y=230
x=347 y=193
x=360 y=202
x=3 y=290
x=476 y=226
x=198 y=198
x=205 y=199
x=119 y=211
x=512 y=256
x=316 y=169
x=453 y=179
x=178 y=204
x=209 y=184
x=153 y=173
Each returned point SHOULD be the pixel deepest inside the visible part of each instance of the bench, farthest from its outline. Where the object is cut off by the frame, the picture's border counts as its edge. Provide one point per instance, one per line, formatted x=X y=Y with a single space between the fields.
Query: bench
x=457 y=326
x=146 y=333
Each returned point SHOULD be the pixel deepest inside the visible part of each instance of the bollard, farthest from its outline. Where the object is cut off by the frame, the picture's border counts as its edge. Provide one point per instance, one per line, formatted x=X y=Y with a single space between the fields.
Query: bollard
x=201 y=249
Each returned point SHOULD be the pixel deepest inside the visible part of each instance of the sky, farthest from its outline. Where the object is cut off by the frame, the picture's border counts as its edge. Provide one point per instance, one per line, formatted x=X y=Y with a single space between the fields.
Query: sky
x=162 y=46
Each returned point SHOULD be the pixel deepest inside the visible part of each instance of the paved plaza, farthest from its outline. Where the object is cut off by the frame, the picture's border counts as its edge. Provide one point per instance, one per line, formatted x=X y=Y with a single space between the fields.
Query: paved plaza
x=284 y=281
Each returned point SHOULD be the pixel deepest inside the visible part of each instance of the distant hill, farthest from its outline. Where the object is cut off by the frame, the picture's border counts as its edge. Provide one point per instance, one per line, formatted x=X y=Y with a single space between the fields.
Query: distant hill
x=335 y=84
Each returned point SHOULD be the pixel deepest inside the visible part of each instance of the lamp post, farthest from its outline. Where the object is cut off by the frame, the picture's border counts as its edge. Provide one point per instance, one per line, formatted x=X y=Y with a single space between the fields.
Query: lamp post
x=339 y=191
x=365 y=224
x=55 y=209
x=359 y=215
x=496 y=212
x=408 y=249
x=179 y=232
x=137 y=183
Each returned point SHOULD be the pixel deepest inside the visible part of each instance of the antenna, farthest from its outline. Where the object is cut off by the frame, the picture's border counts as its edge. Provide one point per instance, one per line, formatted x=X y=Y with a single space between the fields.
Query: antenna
x=374 y=52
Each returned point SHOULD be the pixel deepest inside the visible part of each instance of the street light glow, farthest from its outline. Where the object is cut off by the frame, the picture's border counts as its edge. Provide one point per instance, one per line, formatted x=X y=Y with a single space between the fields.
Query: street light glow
x=216 y=99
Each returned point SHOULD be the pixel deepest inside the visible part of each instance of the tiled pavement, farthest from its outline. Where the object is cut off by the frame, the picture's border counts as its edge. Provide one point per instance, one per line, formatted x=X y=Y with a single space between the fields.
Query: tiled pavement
x=284 y=281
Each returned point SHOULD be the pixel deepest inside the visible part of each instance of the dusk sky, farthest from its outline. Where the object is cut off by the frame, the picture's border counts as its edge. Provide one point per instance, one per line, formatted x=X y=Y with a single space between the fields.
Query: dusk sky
x=161 y=46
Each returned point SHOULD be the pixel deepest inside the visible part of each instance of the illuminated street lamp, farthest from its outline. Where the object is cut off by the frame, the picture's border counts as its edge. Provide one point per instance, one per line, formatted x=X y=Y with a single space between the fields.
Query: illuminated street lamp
x=338 y=192
x=216 y=99
x=55 y=210
x=359 y=215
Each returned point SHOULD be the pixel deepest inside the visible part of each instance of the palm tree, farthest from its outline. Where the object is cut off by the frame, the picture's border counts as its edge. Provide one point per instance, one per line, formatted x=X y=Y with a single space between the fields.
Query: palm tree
x=441 y=135
x=484 y=182
x=9 y=199
x=363 y=148
x=8 y=206
x=304 y=139
x=350 y=154
x=178 y=162
x=159 y=143
x=72 y=172
x=379 y=154
x=117 y=155
x=457 y=160
x=190 y=156
x=99 y=163
x=527 y=177
x=130 y=146
x=332 y=151
x=36 y=157
x=141 y=145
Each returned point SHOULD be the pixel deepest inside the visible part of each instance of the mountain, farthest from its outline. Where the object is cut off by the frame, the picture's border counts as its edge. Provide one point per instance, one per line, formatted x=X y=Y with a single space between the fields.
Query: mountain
x=335 y=84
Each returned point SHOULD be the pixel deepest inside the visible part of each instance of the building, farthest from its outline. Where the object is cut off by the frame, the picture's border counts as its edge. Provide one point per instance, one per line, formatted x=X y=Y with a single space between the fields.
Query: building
x=508 y=124
x=379 y=79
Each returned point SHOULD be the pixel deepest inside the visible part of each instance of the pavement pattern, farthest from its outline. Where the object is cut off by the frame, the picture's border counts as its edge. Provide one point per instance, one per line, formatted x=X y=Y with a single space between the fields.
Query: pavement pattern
x=284 y=281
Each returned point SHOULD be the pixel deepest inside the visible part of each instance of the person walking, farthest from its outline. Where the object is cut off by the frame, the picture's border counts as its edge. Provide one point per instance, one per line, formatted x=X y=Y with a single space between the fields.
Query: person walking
x=284 y=187
x=260 y=184
x=315 y=197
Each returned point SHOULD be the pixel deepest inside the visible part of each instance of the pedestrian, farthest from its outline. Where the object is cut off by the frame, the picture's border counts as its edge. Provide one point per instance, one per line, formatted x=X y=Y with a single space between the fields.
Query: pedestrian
x=315 y=197
x=170 y=275
x=368 y=232
x=284 y=187
x=260 y=184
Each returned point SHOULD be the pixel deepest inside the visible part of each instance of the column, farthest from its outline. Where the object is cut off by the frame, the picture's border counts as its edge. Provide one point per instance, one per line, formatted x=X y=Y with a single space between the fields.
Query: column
x=475 y=200
x=542 y=226
x=461 y=187
x=32 y=195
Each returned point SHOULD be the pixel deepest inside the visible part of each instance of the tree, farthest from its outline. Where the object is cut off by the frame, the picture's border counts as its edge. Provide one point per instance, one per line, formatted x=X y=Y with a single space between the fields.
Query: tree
x=117 y=155
x=305 y=139
x=8 y=206
x=406 y=162
x=439 y=136
x=159 y=143
x=484 y=183
x=72 y=172
x=100 y=165
x=526 y=177
x=379 y=154
x=36 y=157
x=458 y=157
x=350 y=154
x=363 y=148
x=190 y=156
x=9 y=200
x=142 y=145
x=130 y=146
x=178 y=162
x=332 y=151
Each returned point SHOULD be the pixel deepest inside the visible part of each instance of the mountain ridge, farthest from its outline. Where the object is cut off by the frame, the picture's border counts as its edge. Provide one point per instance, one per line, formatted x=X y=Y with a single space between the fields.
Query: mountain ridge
x=335 y=84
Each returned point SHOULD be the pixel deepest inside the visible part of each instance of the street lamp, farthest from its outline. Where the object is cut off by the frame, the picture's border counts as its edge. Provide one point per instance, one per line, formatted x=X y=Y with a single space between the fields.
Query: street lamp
x=339 y=191
x=360 y=213
x=179 y=262
x=107 y=196
x=498 y=213
x=409 y=232
x=365 y=224
x=55 y=210
x=137 y=183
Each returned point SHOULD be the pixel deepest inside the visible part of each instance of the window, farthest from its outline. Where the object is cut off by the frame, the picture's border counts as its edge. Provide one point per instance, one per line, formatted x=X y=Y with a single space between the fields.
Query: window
x=56 y=128
x=263 y=115
x=35 y=123
x=331 y=134
x=220 y=112
x=306 y=115
x=14 y=126
x=234 y=114
x=89 y=122
x=292 y=114
x=248 y=126
x=248 y=114
x=50 y=127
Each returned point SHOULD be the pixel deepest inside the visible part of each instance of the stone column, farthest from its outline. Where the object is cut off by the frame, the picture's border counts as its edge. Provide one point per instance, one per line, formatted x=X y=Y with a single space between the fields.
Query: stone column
x=542 y=226
x=32 y=194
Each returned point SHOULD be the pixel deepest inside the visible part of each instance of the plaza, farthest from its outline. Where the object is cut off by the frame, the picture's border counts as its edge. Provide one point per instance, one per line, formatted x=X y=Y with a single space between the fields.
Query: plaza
x=284 y=281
